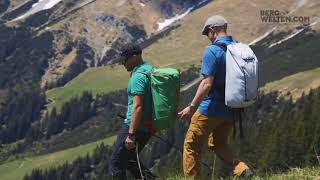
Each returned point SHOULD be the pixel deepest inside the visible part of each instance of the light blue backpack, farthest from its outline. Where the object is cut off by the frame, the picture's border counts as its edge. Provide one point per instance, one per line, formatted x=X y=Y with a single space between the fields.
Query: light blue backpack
x=241 y=88
x=241 y=76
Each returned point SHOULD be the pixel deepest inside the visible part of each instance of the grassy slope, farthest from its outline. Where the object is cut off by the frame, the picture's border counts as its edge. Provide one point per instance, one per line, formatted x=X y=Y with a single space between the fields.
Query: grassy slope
x=17 y=169
x=293 y=174
x=181 y=48
x=97 y=80
x=295 y=84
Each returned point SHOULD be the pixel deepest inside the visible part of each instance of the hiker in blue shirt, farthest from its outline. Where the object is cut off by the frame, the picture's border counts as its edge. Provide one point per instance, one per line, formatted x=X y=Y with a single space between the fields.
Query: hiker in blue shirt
x=211 y=120
x=134 y=133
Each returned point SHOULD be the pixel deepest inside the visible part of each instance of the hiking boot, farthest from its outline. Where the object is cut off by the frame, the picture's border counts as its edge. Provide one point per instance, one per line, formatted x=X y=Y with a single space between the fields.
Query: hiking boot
x=149 y=176
x=246 y=173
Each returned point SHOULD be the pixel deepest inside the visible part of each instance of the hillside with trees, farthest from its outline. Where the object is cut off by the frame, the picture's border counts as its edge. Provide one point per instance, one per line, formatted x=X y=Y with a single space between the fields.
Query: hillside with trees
x=279 y=135
x=61 y=87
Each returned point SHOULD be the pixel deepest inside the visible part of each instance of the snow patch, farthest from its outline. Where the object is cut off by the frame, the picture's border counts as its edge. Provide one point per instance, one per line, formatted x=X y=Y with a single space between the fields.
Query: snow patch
x=300 y=3
x=314 y=23
x=263 y=36
x=39 y=6
x=120 y=3
x=252 y=3
x=50 y=4
x=142 y=4
x=168 y=22
x=286 y=38
x=291 y=35
x=35 y=4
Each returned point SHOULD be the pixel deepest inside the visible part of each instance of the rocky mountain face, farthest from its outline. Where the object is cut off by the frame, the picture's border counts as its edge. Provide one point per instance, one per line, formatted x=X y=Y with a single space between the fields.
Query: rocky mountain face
x=46 y=43
x=60 y=39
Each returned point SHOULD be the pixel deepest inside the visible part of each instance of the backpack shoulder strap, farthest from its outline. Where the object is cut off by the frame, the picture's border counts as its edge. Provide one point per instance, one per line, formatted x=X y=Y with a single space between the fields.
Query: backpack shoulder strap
x=145 y=73
x=224 y=47
x=221 y=45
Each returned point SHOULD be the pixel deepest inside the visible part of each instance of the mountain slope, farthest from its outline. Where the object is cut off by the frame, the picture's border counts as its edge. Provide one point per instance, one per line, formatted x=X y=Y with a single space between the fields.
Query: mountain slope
x=296 y=84
x=52 y=46
x=78 y=38
x=85 y=33
x=183 y=46
x=293 y=174
x=17 y=169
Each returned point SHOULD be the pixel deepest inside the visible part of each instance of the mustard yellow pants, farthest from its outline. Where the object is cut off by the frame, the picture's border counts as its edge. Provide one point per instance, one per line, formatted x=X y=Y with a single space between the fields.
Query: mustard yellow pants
x=215 y=132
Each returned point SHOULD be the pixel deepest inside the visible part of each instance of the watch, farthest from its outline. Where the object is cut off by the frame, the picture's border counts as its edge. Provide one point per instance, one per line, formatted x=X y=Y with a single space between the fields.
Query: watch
x=193 y=106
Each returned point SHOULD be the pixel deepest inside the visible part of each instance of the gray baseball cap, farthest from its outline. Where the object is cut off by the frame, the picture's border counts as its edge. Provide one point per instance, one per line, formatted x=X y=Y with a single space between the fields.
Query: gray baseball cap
x=213 y=21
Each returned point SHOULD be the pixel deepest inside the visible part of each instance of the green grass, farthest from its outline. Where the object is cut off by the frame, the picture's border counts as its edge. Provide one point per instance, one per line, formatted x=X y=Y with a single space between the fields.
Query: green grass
x=296 y=84
x=96 y=80
x=16 y=169
x=312 y=173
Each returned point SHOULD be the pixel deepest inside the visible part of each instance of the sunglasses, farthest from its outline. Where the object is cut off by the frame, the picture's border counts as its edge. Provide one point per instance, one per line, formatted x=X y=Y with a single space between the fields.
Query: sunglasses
x=206 y=30
x=122 y=60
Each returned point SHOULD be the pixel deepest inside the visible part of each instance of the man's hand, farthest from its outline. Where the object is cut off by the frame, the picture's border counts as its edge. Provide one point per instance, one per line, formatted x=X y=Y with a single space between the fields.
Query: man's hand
x=186 y=113
x=130 y=143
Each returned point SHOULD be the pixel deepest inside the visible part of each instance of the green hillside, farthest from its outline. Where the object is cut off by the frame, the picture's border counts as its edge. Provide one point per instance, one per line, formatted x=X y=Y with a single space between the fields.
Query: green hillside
x=16 y=169
x=293 y=174
x=295 y=84
x=96 y=80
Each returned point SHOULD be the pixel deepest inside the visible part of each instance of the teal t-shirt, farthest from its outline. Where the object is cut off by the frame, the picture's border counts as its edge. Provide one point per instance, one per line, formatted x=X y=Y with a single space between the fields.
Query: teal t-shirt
x=139 y=84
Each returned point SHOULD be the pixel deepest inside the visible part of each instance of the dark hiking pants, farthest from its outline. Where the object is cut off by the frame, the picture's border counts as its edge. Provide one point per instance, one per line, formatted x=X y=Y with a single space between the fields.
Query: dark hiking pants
x=123 y=159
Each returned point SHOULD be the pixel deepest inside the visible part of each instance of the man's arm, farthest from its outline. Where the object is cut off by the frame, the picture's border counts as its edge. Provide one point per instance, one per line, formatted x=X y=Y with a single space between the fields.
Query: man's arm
x=208 y=69
x=138 y=88
x=135 y=121
x=136 y=113
x=203 y=89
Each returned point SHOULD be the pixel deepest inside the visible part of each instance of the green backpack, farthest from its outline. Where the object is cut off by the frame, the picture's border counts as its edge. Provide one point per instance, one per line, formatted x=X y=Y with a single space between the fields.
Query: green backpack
x=165 y=90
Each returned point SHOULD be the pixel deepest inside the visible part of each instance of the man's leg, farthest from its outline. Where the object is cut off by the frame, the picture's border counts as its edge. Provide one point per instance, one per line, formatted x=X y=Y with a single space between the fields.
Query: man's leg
x=141 y=139
x=197 y=134
x=119 y=160
x=218 y=141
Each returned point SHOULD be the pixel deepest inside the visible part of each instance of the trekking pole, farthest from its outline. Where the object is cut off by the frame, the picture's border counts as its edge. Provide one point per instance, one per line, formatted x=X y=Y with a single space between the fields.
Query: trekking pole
x=172 y=145
x=214 y=166
x=139 y=165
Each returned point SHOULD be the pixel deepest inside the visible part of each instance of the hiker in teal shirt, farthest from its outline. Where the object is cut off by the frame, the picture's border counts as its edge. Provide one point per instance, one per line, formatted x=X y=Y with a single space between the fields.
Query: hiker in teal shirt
x=134 y=133
x=139 y=85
